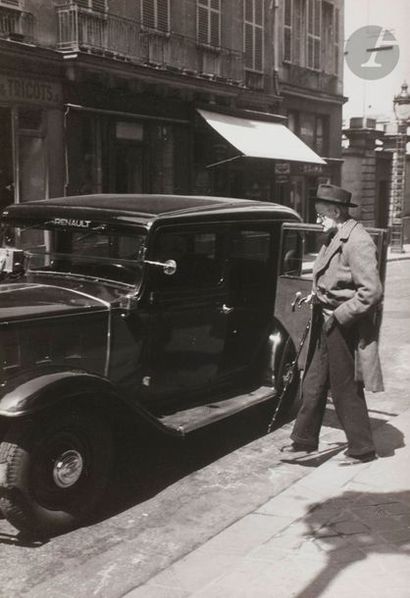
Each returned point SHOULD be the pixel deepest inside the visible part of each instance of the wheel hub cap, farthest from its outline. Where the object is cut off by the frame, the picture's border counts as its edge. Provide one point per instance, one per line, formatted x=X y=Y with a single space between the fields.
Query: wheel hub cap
x=68 y=469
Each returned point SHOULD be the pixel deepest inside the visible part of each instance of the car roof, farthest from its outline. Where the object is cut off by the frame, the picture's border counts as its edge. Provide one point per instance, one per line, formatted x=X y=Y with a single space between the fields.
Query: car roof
x=143 y=209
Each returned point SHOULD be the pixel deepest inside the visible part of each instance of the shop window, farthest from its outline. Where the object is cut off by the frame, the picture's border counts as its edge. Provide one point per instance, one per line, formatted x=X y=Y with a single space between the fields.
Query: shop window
x=254 y=34
x=307 y=128
x=6 y=159
x=293 y=122
x=209 y=22
x=30 y=119
x=313 y=129
x=156 y=14
x=321 y=135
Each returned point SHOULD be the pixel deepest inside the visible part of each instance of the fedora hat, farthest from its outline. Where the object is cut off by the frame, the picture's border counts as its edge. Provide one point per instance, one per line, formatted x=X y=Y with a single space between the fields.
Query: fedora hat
x=334 y=194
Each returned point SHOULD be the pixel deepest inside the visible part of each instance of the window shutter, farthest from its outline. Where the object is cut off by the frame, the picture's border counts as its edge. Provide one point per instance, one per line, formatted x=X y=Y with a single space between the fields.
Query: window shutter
x=287 y=31
x=258 y=12
x=215 y=38
x=313 y=37
x=148 y=13
x=99 y=5
x=162 y=15
x=209 y=22
x=249 y=11
x=16 y=3
x=253 y=34
x=202 y=25
x=337 y=40
x=258 y=49
x=96 y=5
x=248 y=46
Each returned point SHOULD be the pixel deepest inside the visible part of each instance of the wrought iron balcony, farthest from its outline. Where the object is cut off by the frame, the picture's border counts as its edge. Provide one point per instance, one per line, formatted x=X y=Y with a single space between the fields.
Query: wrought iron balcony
x=126 y=39
x=16 y=24
x=317 y=80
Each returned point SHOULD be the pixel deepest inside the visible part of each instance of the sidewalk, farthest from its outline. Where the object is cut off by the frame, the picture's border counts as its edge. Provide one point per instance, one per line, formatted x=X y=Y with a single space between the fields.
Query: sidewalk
x=341 y=531
x=393 y=257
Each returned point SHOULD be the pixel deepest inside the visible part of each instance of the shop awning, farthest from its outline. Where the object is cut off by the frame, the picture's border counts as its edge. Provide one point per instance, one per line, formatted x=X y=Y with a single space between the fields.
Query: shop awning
x=261 y=139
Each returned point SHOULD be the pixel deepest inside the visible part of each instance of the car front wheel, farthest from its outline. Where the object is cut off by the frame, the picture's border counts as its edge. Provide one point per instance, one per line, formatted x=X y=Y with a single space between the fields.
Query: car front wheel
x=53 y=470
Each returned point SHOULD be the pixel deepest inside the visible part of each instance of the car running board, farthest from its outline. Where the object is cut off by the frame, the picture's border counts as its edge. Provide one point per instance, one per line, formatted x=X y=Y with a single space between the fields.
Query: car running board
x=191 y=419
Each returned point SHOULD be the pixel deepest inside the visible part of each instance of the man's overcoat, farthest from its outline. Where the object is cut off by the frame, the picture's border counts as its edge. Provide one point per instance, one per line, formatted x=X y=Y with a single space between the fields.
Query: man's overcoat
x=346 y=279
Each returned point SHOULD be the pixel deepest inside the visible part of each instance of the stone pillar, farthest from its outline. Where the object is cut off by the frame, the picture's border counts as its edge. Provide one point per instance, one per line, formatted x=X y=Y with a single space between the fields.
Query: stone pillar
x=359 y=167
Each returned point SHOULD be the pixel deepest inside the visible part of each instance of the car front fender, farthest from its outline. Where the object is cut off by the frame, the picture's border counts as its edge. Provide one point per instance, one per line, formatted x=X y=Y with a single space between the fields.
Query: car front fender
x=27 y=396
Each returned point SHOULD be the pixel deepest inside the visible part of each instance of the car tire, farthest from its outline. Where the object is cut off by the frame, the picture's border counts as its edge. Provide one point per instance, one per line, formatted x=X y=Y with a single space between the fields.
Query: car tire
x=53 y=470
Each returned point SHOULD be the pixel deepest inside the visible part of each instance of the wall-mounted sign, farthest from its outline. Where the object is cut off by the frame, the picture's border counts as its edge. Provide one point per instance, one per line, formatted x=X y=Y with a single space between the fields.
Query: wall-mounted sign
x=30 y=90
x=129 y=131
x=282 y=168
x=313 y=169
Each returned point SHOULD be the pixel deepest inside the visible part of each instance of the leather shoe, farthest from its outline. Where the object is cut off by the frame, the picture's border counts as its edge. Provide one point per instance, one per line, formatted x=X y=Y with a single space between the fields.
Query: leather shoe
x=296 y=448
x=363 y=458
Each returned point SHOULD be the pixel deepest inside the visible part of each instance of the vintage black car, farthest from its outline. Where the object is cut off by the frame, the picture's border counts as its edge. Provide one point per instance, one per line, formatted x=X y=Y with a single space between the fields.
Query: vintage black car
x=180 y=310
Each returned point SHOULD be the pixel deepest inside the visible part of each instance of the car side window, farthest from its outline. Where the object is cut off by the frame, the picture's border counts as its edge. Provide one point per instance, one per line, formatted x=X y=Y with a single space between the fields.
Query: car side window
x=250 y=264
x=197 y=254
x=299 y=251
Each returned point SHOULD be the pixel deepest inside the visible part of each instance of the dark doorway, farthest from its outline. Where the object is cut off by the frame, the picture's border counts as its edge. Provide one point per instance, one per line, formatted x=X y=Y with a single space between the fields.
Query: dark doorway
x=6 y=159
x=129 y=168
x=382 y=205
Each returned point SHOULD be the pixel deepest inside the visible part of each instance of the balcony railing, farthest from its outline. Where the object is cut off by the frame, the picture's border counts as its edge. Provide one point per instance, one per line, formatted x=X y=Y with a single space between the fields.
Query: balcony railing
x=16 y=23
x=82 y=30
x=318 y=80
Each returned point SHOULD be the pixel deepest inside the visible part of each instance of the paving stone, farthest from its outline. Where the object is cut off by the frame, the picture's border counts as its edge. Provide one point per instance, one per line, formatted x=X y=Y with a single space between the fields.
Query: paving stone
x=154 y=591
x=262 y=581
x=399 y=537
x=251 y=531
x=397 y=508
x=286 y=504
x=350 y=527
x=195 y=570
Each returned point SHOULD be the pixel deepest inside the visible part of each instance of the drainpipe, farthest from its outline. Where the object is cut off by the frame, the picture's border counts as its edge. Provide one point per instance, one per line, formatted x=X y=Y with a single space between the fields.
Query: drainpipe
x=275 y=8
x=66 y=175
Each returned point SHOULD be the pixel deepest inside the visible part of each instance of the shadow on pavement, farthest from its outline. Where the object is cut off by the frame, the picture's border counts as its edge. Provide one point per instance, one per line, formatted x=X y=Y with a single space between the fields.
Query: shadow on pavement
x=149 y=462
x=358 y=526
x=353 y=526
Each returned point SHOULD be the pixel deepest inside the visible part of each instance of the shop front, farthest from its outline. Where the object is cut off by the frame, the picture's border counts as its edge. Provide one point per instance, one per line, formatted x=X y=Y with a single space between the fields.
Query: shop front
x=257 y=159
x=122 y=137
x=31 y=132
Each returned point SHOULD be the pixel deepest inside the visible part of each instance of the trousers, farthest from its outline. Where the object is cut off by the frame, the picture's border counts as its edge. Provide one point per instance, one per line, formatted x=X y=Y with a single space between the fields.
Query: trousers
x=330 y=366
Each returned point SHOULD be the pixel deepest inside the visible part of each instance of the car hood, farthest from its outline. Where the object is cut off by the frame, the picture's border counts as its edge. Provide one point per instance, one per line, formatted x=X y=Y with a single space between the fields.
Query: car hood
x=31 y=300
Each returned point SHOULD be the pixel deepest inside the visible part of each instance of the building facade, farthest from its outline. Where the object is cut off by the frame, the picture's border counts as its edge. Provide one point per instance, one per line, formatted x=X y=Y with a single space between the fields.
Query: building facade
x=105 y=96
x=368 y=171
x=310 y=69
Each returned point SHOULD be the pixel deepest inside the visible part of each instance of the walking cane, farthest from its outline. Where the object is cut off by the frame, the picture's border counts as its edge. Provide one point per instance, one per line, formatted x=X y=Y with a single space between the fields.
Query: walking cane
x=288 y=378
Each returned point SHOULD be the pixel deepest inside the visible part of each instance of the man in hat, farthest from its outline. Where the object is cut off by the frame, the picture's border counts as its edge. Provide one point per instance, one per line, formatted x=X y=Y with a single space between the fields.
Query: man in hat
x=342 y=351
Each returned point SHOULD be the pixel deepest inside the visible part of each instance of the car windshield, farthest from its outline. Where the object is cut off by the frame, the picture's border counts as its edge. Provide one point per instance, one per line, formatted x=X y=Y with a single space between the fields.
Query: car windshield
x=100 y=253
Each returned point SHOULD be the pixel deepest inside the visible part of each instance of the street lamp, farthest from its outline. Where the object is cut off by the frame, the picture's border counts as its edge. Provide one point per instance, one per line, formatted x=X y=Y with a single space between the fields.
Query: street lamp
x=401 y=105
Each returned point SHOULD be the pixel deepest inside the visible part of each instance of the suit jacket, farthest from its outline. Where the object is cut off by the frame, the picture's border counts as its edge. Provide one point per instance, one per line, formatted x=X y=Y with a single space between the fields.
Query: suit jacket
x=346 y=278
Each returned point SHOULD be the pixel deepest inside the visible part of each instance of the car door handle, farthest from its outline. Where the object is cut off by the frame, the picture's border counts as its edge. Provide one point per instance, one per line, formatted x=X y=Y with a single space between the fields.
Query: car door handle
x=225 y=309
x=295 y=302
